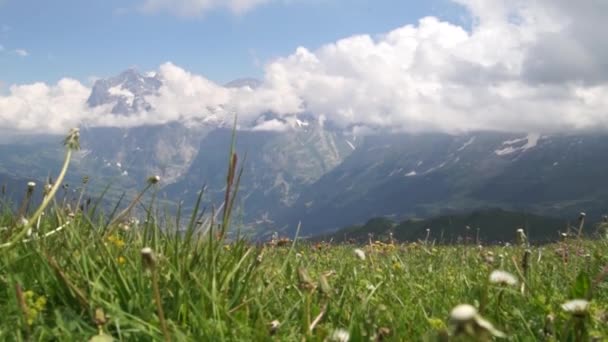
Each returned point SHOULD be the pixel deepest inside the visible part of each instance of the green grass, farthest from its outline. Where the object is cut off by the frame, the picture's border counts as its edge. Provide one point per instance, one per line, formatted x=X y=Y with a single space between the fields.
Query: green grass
x=217 y=291
x=90 y=280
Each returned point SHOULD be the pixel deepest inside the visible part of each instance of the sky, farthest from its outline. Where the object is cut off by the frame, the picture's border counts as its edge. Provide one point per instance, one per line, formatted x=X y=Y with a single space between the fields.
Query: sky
x=48 y=40
x=438 y=65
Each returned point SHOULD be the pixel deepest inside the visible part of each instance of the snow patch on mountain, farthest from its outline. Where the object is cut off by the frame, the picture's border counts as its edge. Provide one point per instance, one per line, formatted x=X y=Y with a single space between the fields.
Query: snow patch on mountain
x=510 y=146
x=119 y=90
x=467 y=144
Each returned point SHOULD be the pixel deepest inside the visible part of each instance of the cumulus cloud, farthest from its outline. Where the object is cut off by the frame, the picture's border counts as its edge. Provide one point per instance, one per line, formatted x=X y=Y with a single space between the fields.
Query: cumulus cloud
x=42 y=108
x=522 y=66
x=197 y=7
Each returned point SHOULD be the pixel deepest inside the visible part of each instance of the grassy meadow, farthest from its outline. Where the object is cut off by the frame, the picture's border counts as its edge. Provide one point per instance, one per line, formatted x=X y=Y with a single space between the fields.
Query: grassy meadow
x=71 y=272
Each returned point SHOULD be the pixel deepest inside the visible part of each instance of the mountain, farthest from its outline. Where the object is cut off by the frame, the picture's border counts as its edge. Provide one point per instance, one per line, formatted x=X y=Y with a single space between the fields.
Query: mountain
x=278 y=166
x=308 y=170
x=125 y=93
x=423 y=175
x=483 y=226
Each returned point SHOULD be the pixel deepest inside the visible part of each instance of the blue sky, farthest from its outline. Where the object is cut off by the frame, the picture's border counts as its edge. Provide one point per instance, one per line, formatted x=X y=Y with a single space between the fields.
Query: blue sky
x=87 y=39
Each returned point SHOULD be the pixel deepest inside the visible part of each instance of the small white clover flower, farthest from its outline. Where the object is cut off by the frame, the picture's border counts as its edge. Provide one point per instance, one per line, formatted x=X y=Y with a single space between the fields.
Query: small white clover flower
x=502 y=278
x=340 y=335
x=360 y=254
x=577 y=307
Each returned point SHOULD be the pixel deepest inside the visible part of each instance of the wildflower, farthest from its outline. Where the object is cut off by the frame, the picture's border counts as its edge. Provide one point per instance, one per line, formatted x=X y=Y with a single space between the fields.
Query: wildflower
x=121 y=260
x=154 y=179
x=31 y=185
x=34 y=306
x=466 y=320
x=148 y=258
x=360 y=254
x=397 y=266
x=463 y=313
x=521 y=237
x=340 y=335
x=274 y=326
x=577 y=307
x=116 y=241
x=503 y=278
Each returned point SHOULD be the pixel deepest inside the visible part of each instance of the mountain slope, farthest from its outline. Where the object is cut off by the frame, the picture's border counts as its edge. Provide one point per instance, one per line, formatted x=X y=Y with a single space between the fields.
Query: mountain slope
x=423 y=175
x=494 y=225
x=277 y=167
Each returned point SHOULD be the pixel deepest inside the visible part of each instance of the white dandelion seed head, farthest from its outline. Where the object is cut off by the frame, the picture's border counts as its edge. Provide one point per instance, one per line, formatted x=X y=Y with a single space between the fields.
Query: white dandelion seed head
x=520 y=231
x=340 y=335
x=502 y=278
x=146 y=251
x=463 y=313
x=360 y=254
x=576 y=306
x=31 y=184
x=583 y=214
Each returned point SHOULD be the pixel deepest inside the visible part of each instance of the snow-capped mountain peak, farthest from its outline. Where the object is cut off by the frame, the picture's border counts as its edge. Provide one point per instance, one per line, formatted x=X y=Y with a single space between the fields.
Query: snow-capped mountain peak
x=125 y=93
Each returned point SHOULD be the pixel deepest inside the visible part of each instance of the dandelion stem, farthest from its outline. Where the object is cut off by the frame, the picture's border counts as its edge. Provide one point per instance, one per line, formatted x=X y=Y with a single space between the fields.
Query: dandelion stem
x=159 y=306
x=47 y=199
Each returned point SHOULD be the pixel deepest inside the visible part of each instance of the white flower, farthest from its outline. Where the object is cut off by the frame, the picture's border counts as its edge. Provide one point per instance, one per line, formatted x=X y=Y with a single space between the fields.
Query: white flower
x=360 y=254
x=576 y=306
x=274 y=326
x=463 y=313
x=340 y=335
x=503 y=278
x=31 y=184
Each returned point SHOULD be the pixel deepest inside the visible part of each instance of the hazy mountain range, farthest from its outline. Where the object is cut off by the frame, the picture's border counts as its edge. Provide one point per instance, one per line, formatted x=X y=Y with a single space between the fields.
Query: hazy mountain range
x=325 y=177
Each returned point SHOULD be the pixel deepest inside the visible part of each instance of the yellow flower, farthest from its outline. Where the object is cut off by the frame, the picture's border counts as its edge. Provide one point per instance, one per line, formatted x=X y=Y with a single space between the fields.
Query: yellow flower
x=116 y=241
x=33 y=306
x=121 y=260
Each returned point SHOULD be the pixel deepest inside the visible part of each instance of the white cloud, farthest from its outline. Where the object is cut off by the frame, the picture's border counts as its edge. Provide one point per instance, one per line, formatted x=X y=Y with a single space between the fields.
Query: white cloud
x=189 y=8
x=523 y=66
x=41 y=108
x=21 y=52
